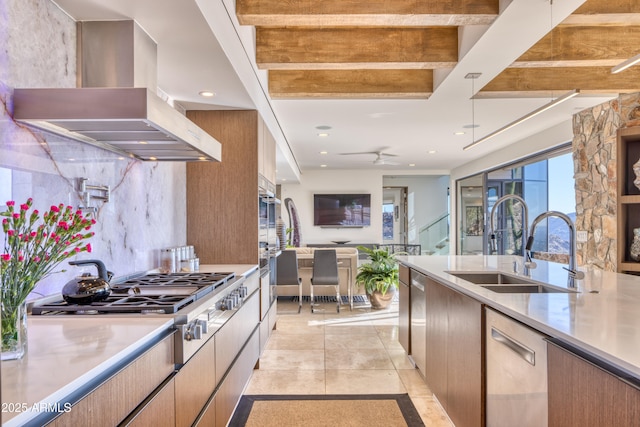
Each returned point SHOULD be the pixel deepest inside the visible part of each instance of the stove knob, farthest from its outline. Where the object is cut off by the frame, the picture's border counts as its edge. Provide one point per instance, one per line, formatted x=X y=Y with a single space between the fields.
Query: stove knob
x=204 y=325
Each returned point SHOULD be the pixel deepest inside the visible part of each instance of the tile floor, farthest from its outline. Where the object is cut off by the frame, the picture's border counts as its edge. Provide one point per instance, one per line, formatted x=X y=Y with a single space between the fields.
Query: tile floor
x=353 y=352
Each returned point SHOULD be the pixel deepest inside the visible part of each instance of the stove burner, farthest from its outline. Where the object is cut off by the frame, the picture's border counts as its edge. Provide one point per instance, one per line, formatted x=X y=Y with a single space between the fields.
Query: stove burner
x=153 y=293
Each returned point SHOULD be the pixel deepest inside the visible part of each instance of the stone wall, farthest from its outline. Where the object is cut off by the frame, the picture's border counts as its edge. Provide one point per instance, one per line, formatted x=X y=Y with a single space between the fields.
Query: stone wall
x=594 y=158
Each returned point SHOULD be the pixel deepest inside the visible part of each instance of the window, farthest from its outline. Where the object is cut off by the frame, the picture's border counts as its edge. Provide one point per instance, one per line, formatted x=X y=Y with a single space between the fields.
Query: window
x=387 y=221
x=545 y=184
x=544 y=181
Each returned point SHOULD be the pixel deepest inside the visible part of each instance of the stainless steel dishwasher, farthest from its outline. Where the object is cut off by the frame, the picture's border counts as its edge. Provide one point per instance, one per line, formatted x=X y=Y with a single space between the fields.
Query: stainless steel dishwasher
x=516 y=373
x=418 y=320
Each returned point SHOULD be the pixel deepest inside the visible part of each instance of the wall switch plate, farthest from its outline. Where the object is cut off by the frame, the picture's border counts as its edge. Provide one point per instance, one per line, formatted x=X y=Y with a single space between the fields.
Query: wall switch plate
x=582 y=236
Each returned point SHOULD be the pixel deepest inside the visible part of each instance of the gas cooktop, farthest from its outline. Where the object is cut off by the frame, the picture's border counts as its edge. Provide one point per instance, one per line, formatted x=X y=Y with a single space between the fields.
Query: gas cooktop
x=152 y=293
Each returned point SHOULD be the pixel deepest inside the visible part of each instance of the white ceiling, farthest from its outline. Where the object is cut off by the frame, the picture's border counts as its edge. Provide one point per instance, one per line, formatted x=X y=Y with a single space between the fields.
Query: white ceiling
x=201 y=46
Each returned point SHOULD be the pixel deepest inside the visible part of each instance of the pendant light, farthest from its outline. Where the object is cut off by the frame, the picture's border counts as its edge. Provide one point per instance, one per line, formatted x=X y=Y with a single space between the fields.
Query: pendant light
x=559 y=100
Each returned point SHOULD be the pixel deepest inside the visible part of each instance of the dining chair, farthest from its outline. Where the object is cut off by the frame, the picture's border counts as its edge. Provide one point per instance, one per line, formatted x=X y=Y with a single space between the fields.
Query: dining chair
x=325 y=273
x=287 y=272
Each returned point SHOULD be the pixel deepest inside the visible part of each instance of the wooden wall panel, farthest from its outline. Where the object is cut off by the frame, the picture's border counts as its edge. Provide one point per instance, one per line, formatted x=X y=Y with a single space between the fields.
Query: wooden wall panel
x=222 y=198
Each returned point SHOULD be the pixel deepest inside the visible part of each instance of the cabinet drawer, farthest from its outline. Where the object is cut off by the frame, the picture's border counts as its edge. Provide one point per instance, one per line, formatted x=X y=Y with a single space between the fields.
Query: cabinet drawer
x=159 y=410
x=117 y=397
x=195 y=384
x=234 y=334
x=231 y=389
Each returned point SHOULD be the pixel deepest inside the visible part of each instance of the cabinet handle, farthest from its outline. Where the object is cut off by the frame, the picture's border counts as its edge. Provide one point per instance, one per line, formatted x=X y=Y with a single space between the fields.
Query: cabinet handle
x=522 y=351
x=417 y=285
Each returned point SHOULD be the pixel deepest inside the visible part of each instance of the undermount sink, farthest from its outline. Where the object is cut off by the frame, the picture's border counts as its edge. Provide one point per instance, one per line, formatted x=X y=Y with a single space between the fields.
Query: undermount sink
x=525 y=289
x=507 y=284
x=490 y=278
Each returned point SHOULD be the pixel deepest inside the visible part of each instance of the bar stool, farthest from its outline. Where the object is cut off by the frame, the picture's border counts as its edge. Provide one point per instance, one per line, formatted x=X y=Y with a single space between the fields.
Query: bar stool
x=287 y=272
x=325 y=273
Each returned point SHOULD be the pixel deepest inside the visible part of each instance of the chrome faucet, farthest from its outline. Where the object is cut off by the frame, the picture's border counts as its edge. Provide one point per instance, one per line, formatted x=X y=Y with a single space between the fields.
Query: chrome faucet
x=574 y=274
x=525 y=220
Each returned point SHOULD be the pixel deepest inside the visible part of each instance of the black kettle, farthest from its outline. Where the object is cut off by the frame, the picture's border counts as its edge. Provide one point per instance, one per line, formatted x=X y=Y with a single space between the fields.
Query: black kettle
x=87 y=289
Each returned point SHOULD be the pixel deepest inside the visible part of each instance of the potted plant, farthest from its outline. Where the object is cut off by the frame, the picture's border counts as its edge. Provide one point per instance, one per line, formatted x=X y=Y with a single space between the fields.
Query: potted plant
x=379 y=277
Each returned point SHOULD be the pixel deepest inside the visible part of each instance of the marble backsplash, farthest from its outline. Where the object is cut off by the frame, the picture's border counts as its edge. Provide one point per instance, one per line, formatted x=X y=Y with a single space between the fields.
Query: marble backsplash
x=147 y=210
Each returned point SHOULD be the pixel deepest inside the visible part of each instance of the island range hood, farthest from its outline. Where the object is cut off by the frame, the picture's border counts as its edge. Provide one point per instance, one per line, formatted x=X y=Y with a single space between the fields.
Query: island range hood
x=115 y=105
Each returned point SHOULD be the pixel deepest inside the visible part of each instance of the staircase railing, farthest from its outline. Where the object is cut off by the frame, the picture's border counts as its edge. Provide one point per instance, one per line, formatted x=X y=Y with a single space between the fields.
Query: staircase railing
x=434 y=237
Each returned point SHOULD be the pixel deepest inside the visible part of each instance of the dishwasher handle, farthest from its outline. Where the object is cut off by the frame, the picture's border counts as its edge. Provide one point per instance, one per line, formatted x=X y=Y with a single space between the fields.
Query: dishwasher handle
x=418 y=286
x=418 y=281
x=521 y=350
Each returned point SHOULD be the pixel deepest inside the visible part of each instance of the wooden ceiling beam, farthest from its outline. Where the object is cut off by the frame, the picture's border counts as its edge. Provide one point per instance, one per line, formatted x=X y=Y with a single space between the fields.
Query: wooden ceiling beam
x=349 y=48
x=573 y=46
x=371 y=12
x=533 y=82
x=409 y=84
x=608 y=12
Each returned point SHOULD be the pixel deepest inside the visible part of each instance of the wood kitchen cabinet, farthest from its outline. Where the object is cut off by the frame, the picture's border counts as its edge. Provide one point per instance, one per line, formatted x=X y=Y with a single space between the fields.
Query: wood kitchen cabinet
x=266 y=152
x=119 y=395
x=222 y=198
x=628 y=213
x=454 y=353
x=404 y=309
x=582 y=394
x=159 y=411
x=195 y=383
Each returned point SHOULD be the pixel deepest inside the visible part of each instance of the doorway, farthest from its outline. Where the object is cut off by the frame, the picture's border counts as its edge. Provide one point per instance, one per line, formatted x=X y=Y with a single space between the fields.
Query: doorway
x=470 y=209
x=394 y=215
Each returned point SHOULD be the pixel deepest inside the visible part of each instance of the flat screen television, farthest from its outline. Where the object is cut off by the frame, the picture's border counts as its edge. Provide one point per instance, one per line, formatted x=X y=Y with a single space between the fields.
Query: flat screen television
x=342 y=210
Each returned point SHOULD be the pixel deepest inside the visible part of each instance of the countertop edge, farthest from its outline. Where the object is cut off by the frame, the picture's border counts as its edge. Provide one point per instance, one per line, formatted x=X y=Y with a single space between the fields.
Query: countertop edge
x=596 y=352
x=83 y=381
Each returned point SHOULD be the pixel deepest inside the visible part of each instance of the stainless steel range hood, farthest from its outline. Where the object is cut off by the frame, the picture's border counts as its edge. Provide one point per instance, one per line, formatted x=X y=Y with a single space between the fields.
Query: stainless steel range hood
x=116 y=106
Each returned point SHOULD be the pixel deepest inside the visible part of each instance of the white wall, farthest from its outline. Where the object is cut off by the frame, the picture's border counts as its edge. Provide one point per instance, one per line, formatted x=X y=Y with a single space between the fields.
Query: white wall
x=430 y=200
x=427 y=200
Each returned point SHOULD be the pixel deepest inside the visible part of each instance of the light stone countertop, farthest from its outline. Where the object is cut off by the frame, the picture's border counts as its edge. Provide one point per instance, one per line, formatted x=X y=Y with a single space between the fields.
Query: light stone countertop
x=239 y=269
x=605 y=324
x=66 y=353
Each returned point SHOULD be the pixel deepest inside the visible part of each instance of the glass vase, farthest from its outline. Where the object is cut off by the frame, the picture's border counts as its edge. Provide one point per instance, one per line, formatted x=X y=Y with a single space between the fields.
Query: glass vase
x=14 y=330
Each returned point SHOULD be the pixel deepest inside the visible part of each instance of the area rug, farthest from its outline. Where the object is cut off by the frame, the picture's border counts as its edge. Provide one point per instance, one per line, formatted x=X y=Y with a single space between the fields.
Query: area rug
x=342 y=410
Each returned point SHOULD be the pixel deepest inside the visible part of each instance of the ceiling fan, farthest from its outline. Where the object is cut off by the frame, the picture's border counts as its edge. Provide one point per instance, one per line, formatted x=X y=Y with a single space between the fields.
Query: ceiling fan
x=380 y=157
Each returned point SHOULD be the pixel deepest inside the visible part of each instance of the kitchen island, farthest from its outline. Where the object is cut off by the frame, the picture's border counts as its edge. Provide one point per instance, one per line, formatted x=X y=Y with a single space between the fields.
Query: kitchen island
x=581 y=356
x=602 y=318
x=70 y=356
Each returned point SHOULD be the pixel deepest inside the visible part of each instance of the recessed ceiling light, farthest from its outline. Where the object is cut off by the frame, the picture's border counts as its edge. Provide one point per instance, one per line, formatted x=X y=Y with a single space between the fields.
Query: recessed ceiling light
x=207 y=93
x=71 y=159
x=432 y=152
x=323 y=134
x=142 y=142
x=283 y=179
x=323 y=166
x=323 y=127
x=412 y=164
x=153 y=158
x=202 y=158
x=459 y=133
x=323 y=152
